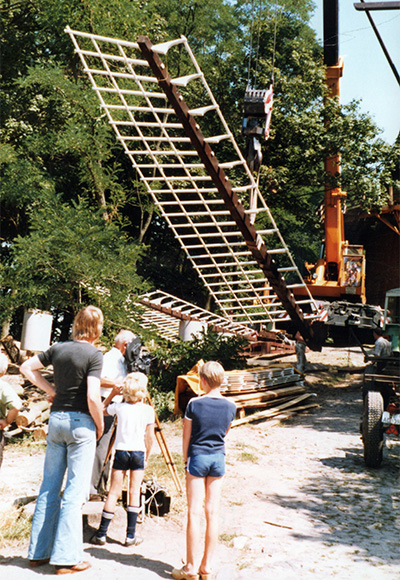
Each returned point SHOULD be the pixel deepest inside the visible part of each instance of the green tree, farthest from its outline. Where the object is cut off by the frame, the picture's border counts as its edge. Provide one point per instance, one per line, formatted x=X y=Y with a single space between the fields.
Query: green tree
x=72 y=257
x=59 y=158
x=62 y=169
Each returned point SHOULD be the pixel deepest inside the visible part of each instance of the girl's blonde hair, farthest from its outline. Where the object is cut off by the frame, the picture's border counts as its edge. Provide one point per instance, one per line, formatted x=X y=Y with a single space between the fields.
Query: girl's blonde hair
x=134 y=387
x=88 y=323
x=213 y=373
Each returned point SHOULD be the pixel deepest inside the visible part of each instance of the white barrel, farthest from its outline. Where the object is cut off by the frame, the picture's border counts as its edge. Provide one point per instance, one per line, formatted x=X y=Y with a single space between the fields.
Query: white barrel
x=36 y=330
x=190 y=329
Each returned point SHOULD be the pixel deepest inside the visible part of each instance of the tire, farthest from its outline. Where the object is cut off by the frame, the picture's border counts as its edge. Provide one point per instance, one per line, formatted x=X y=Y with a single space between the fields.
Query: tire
x=372 y=429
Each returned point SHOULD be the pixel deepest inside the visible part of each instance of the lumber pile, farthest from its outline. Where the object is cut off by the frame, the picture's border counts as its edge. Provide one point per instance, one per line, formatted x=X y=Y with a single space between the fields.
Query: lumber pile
x=275 y=388
x=34 y=415
x=33 y=419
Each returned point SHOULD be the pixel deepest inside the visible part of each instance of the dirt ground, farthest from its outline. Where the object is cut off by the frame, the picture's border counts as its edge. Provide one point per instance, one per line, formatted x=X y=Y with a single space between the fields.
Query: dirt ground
x=298 y=501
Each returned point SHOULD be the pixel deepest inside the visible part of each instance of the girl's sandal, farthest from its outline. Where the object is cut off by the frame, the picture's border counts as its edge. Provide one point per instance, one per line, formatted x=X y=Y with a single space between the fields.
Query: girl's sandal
x=181 y=574
x=209 y=576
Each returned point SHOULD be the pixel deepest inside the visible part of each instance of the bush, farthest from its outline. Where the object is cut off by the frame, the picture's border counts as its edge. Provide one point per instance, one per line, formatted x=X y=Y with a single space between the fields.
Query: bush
x=178 y=358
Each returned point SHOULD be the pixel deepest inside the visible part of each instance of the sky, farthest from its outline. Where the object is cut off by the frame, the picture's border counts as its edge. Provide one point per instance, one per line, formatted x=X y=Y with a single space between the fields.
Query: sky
x=367 y=75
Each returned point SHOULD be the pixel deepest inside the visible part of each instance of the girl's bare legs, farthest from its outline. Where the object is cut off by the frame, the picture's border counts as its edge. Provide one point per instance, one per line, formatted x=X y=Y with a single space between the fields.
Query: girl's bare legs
x=213 y=495
x=195 y=489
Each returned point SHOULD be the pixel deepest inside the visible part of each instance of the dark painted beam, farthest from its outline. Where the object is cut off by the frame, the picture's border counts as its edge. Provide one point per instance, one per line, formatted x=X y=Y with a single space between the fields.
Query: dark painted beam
x=378 y=36
x=376 y=5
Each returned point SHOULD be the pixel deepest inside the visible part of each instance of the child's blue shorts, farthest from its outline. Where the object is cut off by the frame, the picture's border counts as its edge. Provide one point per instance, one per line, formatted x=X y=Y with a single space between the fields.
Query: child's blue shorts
x=128 y=460
x=206 y=464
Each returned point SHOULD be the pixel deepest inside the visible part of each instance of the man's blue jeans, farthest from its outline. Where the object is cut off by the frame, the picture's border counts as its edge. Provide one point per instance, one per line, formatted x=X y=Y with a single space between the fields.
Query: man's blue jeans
x=57 y=522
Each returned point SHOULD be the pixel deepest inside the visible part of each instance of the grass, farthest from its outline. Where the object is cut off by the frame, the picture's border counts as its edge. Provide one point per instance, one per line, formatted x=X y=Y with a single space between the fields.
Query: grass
x=244 y=565
x=157 y=469
x=27 y=444
x=246 y=453
x=246 y=456
x=15 y=527
x=238 y=503
x=227 y=539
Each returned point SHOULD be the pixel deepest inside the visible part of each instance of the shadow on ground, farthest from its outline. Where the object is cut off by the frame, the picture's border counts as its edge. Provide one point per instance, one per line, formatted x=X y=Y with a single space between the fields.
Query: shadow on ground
x=347 y=502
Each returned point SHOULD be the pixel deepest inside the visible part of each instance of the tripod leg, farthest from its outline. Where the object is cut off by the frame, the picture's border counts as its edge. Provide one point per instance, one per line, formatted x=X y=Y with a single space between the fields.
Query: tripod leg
x=165 y=451
x=109 y=450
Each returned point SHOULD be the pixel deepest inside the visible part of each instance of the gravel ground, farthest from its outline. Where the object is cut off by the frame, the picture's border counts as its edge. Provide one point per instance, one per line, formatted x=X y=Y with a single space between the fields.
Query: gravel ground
x=298 y=501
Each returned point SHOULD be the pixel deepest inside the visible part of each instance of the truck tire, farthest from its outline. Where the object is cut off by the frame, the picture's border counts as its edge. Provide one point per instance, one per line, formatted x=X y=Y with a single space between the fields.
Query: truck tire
x=372 y=433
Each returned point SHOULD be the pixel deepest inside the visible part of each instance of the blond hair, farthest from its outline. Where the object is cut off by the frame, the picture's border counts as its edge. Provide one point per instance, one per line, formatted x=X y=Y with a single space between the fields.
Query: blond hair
x=213 y=373
x=3 y=364
x=134 y=387
x=88 y=323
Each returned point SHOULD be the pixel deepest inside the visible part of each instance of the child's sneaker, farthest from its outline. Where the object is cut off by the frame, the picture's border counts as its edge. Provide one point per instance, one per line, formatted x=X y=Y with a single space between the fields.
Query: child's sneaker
x=99 y=541
x=133 y=541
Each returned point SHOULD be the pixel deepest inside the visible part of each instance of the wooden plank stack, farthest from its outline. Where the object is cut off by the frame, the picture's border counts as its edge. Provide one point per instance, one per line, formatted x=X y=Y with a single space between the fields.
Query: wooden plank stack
x=276 y=387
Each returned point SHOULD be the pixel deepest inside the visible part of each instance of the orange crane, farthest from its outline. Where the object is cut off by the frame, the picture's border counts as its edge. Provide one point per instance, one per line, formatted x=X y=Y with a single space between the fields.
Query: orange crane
x=339 y=273
x=337 y=279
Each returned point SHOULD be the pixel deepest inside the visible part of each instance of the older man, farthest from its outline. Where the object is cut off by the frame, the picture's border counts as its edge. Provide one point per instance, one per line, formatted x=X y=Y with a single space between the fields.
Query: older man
x=113 y=373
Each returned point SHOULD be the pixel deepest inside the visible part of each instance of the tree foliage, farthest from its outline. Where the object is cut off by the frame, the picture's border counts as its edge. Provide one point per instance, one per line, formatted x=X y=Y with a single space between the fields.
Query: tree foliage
x=76 y=225
x=178 y=358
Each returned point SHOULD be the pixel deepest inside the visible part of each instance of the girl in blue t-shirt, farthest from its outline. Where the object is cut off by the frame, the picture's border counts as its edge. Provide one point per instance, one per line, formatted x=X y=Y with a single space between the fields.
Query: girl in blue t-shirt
x=206 y=423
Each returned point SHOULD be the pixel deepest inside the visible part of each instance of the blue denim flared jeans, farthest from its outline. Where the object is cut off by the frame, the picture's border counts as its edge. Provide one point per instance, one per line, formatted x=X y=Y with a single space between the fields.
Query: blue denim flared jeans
x=57 y=522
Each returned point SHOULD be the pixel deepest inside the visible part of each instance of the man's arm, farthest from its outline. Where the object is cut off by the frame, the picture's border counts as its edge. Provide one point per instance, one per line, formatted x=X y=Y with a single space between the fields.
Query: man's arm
x=116 y=390
x=95 y=405
x=109 y=383
x=30 y=369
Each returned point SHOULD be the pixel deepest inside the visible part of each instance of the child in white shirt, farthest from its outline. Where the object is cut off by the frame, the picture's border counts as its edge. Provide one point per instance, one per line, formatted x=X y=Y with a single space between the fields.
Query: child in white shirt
x=133 y=442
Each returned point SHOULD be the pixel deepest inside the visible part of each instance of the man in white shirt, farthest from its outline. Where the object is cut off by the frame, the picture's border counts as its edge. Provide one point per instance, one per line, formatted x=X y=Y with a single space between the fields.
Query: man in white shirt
x=382 y=349
x=113 y=373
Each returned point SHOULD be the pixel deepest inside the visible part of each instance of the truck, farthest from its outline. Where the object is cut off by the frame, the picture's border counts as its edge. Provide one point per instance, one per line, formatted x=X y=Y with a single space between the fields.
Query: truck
x=381 y=389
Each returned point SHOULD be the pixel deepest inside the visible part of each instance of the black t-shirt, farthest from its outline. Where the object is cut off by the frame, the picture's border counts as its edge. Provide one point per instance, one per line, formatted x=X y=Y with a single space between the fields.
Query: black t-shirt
x=72 y=362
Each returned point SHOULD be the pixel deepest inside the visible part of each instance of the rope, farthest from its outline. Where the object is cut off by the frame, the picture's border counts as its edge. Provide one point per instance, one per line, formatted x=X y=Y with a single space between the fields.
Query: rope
x=254 y=85
x=274 y=51
x=251 y=42
x=258 y=45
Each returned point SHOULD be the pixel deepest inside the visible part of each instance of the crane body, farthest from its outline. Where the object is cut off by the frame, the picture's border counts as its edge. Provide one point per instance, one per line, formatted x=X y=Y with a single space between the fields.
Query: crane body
x=337 y=279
